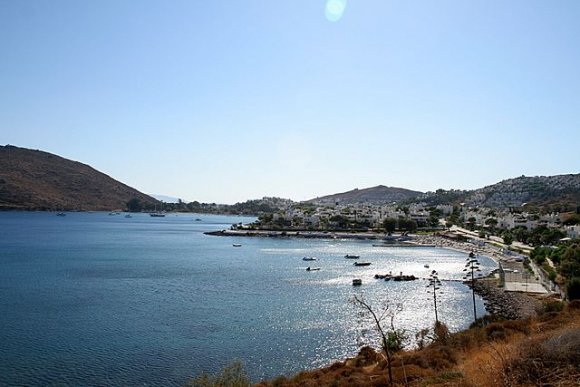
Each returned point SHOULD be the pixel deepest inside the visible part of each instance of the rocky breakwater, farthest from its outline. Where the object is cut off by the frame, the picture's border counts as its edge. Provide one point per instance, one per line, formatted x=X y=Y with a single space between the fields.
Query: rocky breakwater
x=508 y=305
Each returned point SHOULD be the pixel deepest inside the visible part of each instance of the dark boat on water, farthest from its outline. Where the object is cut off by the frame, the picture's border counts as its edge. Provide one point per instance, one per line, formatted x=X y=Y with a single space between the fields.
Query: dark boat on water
x=362 y=263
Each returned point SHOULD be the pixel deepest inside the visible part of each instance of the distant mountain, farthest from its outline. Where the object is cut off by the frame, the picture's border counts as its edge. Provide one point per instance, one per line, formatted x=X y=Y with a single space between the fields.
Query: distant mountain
x=36 y=180
x=557 y=193
x=375 y=195
x=165 y=198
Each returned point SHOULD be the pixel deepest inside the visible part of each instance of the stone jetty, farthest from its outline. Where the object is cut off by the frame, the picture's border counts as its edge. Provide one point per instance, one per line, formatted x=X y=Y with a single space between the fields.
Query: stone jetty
x=508 y=305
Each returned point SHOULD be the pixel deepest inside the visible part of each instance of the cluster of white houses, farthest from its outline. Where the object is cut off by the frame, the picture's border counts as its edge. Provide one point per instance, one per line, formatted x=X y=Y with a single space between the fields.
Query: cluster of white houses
x=323 y=217
x=509 y=220
x=326 y=216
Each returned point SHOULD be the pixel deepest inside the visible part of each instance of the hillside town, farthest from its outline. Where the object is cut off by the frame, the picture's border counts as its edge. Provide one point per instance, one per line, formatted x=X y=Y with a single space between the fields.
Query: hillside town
x=536 y=252
x=416 y=216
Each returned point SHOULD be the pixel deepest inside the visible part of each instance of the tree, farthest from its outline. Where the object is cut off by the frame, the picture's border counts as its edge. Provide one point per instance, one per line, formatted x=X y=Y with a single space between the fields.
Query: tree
x=407 y=225
x=472 y=270
x=392 y=340
x=521 y=234
x=434 y=285
x=340 y=220
x=434 y=216
x=508 y=238
x=134 y=205
x=491 y=222
x=390 y=224
x=570 y=262
x=471 y=223
x=573 y=289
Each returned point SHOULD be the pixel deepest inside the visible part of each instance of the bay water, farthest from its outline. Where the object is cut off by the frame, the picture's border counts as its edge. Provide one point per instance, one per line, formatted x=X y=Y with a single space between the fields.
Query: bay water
x=96 y=299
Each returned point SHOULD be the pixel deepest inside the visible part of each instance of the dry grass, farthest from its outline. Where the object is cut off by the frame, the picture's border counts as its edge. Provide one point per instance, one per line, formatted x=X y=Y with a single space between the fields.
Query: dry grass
x=540 y=352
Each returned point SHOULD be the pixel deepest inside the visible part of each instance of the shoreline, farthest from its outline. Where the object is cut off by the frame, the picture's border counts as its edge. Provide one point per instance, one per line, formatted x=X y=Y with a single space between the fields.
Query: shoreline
x=498 y=301
x=411 y=240
x=302 y=234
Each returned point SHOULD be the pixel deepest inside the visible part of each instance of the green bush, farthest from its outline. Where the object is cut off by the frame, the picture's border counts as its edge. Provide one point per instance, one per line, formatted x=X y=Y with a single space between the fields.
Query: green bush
x=553 y=306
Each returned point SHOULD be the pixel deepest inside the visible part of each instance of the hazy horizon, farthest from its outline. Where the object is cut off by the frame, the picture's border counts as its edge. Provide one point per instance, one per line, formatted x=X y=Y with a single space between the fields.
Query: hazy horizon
x=230 y=101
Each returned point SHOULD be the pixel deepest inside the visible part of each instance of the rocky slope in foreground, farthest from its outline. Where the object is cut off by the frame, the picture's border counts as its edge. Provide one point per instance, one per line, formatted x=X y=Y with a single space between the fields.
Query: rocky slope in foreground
x=36 y=180
x=543 y=351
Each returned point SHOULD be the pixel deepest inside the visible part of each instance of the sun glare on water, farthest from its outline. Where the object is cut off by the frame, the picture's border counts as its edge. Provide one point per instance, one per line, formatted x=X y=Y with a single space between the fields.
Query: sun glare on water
x=334 y=9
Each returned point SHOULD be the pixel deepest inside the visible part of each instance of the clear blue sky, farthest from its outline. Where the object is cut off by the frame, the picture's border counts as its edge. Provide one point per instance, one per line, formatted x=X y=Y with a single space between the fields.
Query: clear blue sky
x=228 y=100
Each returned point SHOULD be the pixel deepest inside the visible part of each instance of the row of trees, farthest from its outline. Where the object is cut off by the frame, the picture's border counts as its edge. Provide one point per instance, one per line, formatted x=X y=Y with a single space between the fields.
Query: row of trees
x=250 y=207
x=541 y=235
x=337 y=222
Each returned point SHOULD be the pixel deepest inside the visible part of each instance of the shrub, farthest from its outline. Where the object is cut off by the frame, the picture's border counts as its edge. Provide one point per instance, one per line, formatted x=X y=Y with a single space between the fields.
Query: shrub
x=555 y=361
x=551 y=306
x=573 y=289
x=441 y=333
x=502 y=330
x=232 y=375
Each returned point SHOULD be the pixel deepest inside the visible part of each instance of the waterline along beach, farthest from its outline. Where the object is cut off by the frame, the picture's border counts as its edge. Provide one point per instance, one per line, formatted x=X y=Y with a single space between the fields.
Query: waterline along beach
x=127 y=301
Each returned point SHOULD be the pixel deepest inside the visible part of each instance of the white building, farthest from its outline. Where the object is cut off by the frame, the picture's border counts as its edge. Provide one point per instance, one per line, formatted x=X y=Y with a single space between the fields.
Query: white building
x=573 y=231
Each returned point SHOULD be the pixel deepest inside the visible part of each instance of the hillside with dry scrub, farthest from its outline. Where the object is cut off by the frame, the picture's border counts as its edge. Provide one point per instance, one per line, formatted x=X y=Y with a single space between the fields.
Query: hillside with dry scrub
x=36 y=180
x=544 y=351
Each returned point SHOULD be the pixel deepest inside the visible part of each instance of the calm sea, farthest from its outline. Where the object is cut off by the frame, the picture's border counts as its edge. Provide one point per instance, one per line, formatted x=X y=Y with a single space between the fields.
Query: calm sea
x=94 y=299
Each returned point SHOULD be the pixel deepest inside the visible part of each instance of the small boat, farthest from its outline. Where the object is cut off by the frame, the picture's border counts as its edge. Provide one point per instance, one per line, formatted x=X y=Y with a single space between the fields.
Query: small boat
x=237 y=245
x=362 y=263
x=60 y=214
x=197 y=220
x=349 y=256
x=309 y=259
x=356 y=282
x=128 y=216
x=472 y=255
x=312 y=268
x=157 y=214
x=402 y=278
x=426 y=266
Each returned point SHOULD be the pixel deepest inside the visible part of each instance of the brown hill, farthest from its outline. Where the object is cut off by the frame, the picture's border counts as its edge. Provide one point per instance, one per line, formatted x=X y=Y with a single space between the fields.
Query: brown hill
x=376 y=195
x=36 y=180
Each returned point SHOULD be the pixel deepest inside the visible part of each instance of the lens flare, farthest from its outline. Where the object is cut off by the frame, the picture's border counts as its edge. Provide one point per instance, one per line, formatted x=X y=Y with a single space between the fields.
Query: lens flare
x=334 y=9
